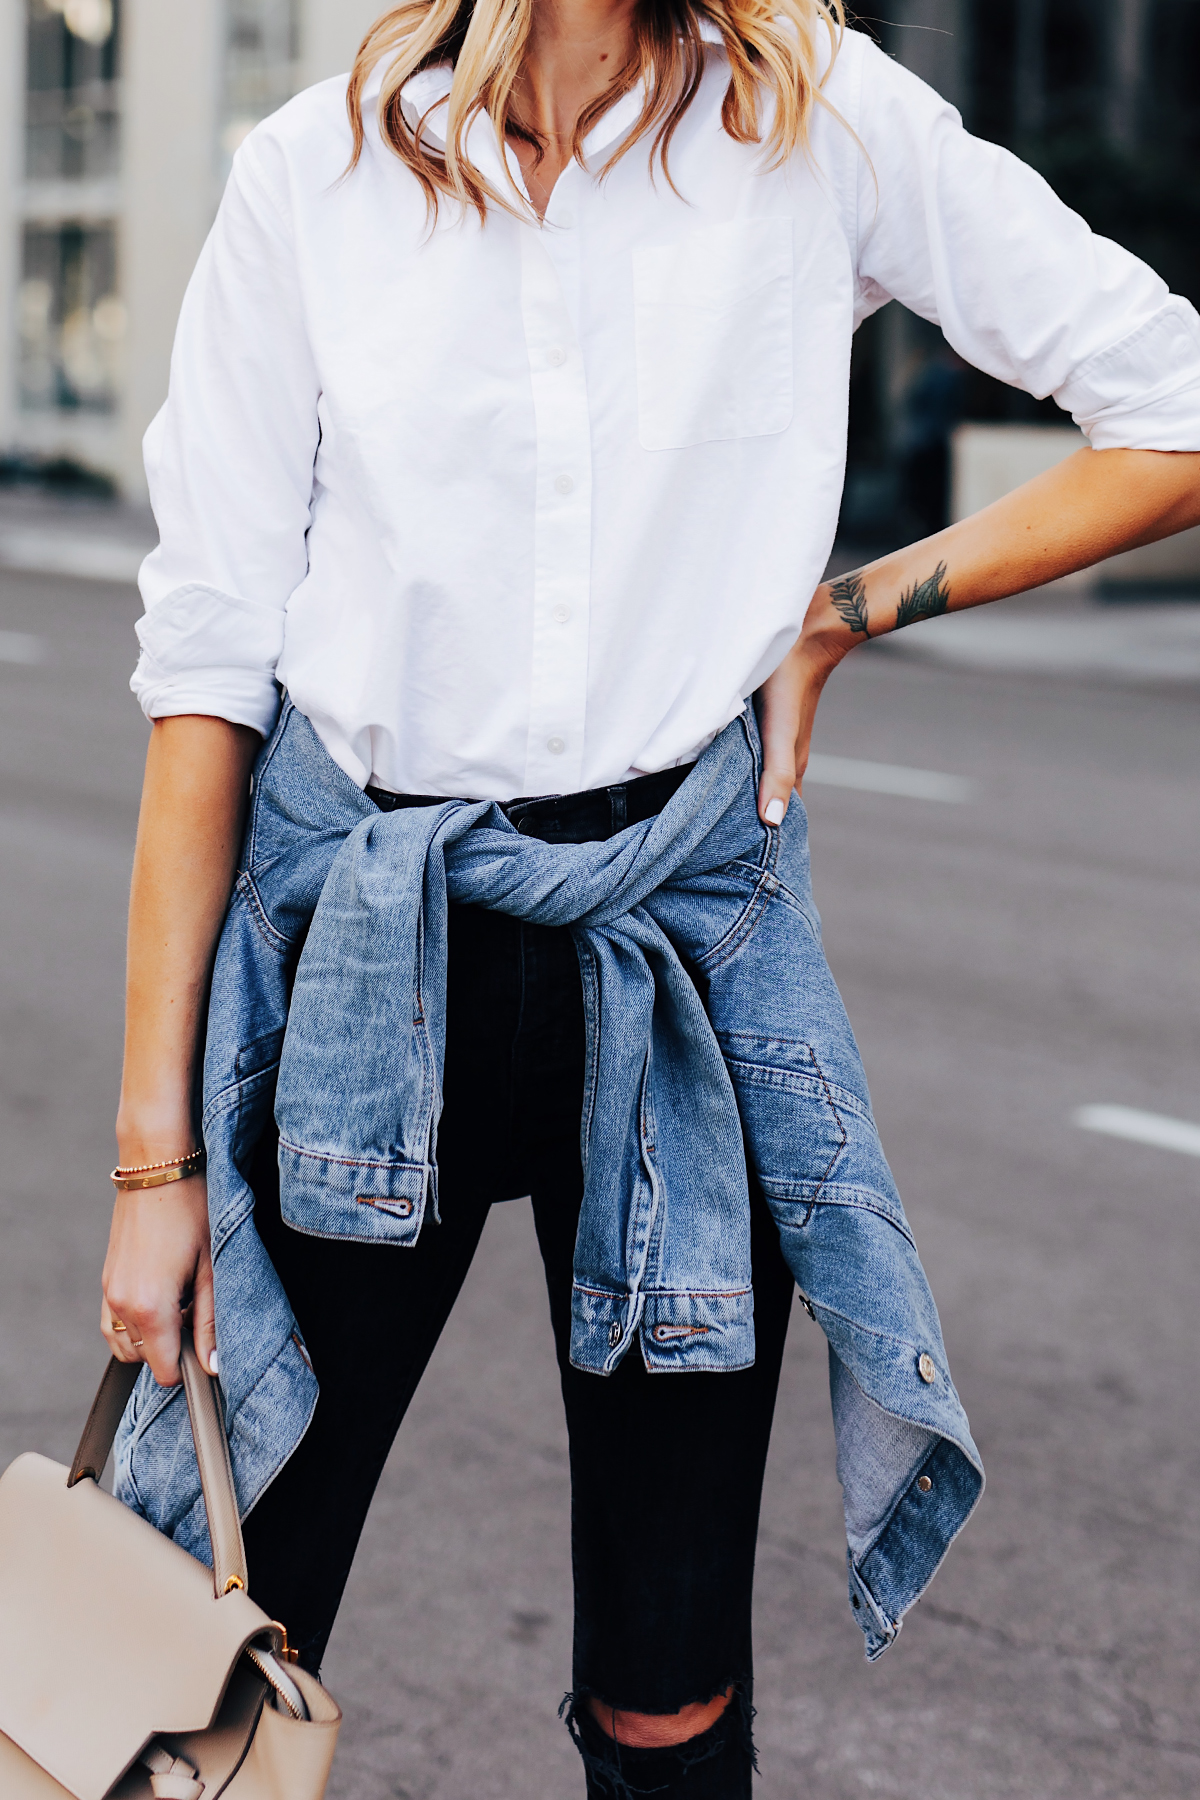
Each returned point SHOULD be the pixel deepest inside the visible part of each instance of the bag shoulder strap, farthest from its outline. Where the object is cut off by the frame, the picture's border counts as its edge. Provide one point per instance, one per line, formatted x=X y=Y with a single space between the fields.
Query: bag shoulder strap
x=212 y=1453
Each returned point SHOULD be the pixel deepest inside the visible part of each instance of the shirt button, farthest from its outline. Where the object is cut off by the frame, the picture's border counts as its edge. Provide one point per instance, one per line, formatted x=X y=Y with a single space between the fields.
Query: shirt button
x=555 y=746
x=561 y=614
x=556 y=357
x=925 y=1367
x=564 y=484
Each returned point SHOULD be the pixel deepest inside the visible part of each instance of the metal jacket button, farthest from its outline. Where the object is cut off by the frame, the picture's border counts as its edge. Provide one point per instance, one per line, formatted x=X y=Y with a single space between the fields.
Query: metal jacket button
x=926 y=1368
x=924 y=1483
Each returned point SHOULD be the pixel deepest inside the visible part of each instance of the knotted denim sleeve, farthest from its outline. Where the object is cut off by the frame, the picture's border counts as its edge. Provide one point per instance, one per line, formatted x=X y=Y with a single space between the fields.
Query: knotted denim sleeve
x=360 y=1078
x=716 y=1039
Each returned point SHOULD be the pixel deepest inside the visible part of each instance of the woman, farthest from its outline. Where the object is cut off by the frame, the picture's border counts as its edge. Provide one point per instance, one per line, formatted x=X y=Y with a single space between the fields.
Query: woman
x=505 y=436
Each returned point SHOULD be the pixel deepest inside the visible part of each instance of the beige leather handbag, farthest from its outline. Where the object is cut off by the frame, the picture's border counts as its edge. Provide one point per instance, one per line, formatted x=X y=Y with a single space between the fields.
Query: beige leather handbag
x=128 y=1670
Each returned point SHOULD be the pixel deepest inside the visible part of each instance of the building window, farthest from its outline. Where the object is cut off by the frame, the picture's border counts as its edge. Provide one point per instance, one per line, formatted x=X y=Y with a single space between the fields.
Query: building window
x=72 y=114
x=72 y=322
x=262 y=56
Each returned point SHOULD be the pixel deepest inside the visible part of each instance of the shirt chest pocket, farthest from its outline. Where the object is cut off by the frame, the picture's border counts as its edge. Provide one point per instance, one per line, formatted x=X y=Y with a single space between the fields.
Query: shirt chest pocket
x=713 y=319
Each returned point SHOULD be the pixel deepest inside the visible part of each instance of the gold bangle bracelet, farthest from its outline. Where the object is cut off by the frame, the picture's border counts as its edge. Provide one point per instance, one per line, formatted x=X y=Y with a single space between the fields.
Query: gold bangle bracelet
x=171 y=1162
x=151 y=1175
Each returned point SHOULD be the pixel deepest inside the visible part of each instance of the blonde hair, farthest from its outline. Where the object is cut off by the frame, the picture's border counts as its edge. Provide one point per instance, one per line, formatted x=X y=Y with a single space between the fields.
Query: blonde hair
x=771 y=45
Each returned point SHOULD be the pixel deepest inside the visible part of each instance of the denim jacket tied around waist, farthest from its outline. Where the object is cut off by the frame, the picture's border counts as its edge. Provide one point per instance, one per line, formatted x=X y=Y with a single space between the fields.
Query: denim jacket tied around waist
x=716 y=1038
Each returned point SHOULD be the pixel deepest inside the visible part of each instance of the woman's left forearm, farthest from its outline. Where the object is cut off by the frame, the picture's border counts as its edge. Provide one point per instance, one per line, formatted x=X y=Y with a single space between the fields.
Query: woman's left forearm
x=1089 y=507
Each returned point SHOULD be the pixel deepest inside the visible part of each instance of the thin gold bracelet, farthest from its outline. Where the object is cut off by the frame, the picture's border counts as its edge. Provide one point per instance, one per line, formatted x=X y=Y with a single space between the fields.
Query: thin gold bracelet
x=150 y=1175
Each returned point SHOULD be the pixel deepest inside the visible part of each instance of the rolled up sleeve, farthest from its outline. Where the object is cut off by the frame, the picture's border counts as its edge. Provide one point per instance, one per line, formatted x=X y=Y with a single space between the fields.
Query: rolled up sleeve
x=972 y=239
x=229 y=461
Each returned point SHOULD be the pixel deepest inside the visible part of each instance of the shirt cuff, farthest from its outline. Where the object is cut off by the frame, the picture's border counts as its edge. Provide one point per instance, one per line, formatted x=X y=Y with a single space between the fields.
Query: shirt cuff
x=208 y=652
x=219 y=693
x=1142 y=393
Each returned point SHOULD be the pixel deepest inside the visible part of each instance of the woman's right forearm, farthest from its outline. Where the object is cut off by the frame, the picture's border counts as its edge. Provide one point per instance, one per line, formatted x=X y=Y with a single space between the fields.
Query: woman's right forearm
x=189 y=831
x=159 y=1266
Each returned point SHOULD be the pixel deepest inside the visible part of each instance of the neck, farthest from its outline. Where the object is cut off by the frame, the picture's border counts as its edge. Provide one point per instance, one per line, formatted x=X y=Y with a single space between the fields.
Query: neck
x=575 y=48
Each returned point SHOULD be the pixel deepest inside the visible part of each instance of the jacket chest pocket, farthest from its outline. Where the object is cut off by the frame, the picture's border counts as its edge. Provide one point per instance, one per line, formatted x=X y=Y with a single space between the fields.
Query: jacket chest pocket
x=713 y=323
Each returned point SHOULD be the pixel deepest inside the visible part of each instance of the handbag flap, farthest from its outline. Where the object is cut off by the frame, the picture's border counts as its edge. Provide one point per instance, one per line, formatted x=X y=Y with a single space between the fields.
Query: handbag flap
x=109 y=1632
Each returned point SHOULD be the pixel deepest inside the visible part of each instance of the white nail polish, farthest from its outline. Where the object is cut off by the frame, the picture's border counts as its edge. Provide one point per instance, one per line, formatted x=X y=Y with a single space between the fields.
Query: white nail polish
x=212 y=1363
x=773 y=812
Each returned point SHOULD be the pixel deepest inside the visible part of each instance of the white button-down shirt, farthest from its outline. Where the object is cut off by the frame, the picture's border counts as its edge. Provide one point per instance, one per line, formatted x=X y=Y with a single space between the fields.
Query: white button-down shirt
x=520 y=508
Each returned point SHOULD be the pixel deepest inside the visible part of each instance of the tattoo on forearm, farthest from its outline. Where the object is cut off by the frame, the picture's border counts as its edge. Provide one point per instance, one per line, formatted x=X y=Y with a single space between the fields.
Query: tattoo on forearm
x=924 y=599
x=849 y=597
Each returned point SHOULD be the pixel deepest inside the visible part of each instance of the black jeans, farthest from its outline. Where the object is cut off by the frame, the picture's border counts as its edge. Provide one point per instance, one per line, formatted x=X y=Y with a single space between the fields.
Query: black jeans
x=663 y=1572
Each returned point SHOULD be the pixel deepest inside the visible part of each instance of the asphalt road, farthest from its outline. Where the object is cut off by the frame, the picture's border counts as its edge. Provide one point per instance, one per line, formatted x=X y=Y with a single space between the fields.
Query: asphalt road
x=1005 y=960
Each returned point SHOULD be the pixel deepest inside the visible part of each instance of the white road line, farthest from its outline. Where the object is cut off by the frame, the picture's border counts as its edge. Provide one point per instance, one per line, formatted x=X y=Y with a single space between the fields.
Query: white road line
x=887 y=778
x=21 y=647
x=1152 y=641
x=1140 y=1127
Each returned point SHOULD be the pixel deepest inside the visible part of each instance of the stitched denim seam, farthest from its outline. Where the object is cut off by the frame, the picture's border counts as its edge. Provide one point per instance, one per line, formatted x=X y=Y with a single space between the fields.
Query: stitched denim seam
x=352 y=1162
x=231 y=1221
x=741 y=929
x=597 y=1293
x=771 y=1075
x=139 y=1505
x=419 y=985
x=151 y=1409
x=591 y=992
x=388 y=1240
x=790 y=898
x=867 y=1203
x=229 y=1098
x=887 y=1337
x=248 y=1070
x=753 y=869
x=848 y=1098
x=841 y=1127
x=267 y=758
x=247 y=888
x=753 y=745
x=747 y=919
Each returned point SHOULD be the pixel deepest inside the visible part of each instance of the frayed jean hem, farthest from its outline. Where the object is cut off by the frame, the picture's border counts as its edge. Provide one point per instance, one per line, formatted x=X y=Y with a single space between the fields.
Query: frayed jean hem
x=689 y=1770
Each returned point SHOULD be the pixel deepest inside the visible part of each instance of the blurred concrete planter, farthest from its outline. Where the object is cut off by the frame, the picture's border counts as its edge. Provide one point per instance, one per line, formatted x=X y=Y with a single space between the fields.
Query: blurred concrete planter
x=988 y=461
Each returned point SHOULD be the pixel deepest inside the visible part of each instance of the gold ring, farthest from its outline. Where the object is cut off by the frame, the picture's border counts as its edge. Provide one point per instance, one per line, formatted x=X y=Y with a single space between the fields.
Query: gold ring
x=119 y=1325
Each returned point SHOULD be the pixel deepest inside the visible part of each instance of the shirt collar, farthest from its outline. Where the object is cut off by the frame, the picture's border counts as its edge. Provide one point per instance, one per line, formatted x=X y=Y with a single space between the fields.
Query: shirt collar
x=424 y=95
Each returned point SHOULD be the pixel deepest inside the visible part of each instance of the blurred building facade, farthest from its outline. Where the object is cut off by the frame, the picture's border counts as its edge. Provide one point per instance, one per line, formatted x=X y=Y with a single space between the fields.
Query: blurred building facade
x=122 y=118
x=123 y=115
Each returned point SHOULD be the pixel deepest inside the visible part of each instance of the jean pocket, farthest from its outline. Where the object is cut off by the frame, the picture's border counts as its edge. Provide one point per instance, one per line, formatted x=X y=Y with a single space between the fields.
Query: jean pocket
x=713 y=330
